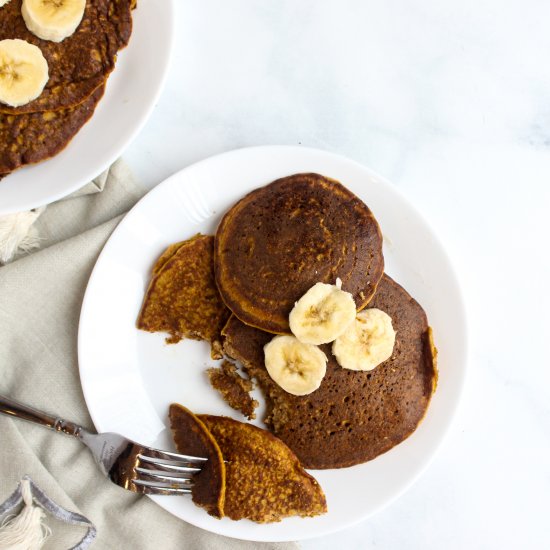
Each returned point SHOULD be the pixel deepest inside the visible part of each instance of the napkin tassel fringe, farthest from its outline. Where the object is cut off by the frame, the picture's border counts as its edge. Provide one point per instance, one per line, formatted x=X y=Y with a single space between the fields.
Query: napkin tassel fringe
x=17 y=234
x=27 y=530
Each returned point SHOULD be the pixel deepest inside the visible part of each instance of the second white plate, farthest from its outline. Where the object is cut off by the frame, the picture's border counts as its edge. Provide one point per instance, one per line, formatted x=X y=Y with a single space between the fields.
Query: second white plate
x=130 y=377
x=131 y=93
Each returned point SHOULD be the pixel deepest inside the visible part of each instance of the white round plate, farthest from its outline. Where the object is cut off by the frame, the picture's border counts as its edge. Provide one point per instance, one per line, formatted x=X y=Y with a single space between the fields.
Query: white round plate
x=132 y=91
x=130 y=377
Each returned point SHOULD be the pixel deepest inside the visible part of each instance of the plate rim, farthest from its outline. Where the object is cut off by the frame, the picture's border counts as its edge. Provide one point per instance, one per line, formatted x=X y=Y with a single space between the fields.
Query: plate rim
x=442 y=250
x=28 y=203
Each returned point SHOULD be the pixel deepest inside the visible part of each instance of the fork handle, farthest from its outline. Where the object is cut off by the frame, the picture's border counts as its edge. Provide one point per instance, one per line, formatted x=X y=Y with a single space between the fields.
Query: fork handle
x=15 y=409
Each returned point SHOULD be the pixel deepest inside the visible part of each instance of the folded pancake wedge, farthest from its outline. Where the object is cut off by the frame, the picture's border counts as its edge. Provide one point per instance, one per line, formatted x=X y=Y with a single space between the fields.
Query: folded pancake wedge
x=193 y=438
x=79 y=64
x=182 y=298
x=31 y=138
x=279 y=240
x=264 y=480
x=353 y=416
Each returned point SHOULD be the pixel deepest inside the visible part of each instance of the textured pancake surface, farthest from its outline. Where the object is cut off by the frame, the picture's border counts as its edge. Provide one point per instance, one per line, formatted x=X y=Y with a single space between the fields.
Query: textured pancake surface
x=193 y=438
x=264 y=480
x=80 y=63
x=354 y=416
x=33 y=137
x=281 y=239
x=182 y=298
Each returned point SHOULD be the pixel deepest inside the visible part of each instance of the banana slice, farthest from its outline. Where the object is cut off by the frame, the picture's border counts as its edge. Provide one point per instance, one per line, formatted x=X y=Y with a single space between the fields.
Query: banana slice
x=23 y=72
x=367 y=343
x=322 y=314
x=53 y=20
x=298 y=368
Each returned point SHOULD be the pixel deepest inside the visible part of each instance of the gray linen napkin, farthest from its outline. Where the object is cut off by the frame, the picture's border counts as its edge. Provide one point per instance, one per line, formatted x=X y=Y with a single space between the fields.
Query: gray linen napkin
x=19 y=231
x=40 y=299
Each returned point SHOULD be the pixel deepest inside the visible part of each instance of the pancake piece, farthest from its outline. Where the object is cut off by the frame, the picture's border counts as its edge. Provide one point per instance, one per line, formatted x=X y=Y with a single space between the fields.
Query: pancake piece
x=233 y=388
x=279 y=240
x=79 y=64
x=31 y=138
x=354 y=416
x=182 y=298
x=193 y=438
x=264 y=480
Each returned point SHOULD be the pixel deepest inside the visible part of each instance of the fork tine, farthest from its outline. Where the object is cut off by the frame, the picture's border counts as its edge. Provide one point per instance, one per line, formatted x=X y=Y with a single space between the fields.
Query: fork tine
x=152 y=488
x=165 y=491
x=164 y=476
x=167 y=455
x=163 y=464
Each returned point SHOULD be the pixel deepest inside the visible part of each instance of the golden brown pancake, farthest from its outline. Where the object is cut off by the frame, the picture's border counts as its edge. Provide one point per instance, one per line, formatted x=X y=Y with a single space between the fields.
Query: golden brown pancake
x=234 y=389
x=31 y=138
x=193 y=438
x=79 y=64
x=279 y=240
x=182 y=298
x=354 y=416
x=264 y=480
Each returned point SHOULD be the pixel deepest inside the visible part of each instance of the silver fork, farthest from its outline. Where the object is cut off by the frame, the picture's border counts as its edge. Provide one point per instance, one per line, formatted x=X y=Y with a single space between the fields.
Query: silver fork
x=133 y=466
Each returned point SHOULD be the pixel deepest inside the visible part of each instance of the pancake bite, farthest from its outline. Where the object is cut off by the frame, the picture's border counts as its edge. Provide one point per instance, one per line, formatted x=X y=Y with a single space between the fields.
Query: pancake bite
x=193 y=438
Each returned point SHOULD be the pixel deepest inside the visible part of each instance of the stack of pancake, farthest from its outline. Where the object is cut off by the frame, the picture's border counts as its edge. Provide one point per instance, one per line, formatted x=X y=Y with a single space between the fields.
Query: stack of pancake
x=78 y=70
x=269 y=249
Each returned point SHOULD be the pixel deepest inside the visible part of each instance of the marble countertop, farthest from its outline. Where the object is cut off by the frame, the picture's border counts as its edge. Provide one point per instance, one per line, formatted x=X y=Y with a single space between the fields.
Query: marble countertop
x=451 y=102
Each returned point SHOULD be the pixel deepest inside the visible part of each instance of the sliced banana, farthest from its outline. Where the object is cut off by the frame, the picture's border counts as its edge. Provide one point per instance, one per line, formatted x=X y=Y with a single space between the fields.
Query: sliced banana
x=298 y=368
x=23 y=72
x=367 y=343
x=53 y=20
x=322 y=314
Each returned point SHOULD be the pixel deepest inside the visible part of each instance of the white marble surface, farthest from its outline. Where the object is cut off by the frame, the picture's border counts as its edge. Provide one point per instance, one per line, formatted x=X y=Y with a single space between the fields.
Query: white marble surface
x=450 y=101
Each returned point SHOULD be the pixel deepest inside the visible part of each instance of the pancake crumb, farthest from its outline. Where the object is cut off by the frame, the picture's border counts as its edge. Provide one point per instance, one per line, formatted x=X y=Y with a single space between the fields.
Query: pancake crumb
x=233 y=388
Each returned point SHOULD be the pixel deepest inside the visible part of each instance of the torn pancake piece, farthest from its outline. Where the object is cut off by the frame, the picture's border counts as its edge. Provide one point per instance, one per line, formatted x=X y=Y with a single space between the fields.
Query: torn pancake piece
x=233 y=388
x=182 y=298
x=193 y=438
x=265 y=481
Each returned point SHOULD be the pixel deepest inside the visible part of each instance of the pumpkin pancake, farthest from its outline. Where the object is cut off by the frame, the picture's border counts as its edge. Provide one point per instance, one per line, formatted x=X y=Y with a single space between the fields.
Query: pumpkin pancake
x=264 y=480
x=30 y=138
x=193 y=438
x=79 y=64
x=354 y=416
x=281 y=239
x=182 y=298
